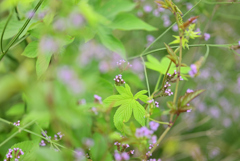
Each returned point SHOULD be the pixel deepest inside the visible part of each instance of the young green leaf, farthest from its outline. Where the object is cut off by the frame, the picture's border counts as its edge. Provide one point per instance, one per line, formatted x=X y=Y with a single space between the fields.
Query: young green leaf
x=31 y=51
x=42 y=63
x=128 y=105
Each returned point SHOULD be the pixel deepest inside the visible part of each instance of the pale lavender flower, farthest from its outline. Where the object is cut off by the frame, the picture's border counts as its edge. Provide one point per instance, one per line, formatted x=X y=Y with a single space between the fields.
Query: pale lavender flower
x=104 y=66
x=153 y=125
x=143 y=132
x=59 y=24
x=76 y=19
x=156 y=104
x=206 y=36
x=97 y=99
x=150 y=101
x=198 y=30
x=42 y=143
x=94 y=109
x=125 y=156
x=48 y=45
x=88 y=142
x=227 y=122
x=189 y=110
x=215 y=112
x=150 y=38
x=189 y=6
x=189 y=91
x=117 y=156
x=17 y=123
x=238 y=43
x=148 y=154
x=193 y=70
x=79 y=154
x=147 y=8
x=156 y=13
x=175 y=28
x=30 y=14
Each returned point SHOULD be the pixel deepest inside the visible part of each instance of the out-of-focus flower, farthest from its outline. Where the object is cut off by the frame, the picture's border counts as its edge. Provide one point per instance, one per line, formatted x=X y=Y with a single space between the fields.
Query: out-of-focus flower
x=143 y=132
x=147 y=8
x=153 y=125
x=193 y=70
x=206 y=36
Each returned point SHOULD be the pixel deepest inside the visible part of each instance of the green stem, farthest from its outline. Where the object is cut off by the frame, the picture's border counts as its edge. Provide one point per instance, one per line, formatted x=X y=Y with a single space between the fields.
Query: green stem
x=14 y=134
x=158 y=82
x=221 y=2
x=160 y=122
x=145 y=72
x=4 y=29
x=160 y=139
x=195 y=45
x=20 y=31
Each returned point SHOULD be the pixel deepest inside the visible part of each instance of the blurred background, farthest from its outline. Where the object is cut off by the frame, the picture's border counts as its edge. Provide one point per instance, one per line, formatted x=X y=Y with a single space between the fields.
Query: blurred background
x=72 y=52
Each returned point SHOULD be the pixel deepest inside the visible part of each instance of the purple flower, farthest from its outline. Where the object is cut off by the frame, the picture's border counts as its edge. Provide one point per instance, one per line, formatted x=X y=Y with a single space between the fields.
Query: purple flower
x=189 y=6
x=239 y=43
x=206 y=36
x=79 y=154
x=17 y=123
x=147 y=8
x=125 y=156
x=150 y=101
x=117 y=156
x=153 y=125
x=189 y=91
x=193 y=70
x=97 y=99
x=30 y=14
x=59 y=24
x=153 y=139
x=156 y=13
x=175 y=28
x=76 y=19
x=48 y=45
x=143 y=132
x=150 y=38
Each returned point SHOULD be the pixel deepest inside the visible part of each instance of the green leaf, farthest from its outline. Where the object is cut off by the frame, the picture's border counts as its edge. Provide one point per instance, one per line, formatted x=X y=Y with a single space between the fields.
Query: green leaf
x=137 y=95
x=31 y=51
x=12 y=28
x=17 y=109
x=184 y=100
x=42 y=63
x=45 y=153
x=115 y=100
x=128 y=105
x=126 y=21
x=99 y=150
x=162 y=66
x=112 y=43
x=139 y=113
x=143 y=98
x=29 y=148
x=122 y=115
x=113 y=7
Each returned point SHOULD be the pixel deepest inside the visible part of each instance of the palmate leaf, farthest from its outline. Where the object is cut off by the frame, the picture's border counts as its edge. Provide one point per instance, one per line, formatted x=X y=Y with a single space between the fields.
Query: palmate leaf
x=128 y=105
x=184 y=100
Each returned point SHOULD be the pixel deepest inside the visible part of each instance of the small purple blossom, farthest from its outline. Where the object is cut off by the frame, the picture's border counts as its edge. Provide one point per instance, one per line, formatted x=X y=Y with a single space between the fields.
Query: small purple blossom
x=150 y=101
x=76 y=19
x=156 y=104
x=193 y=70
x=118 y=80
x=206 y=36
x=175 y=28
x=30 y=14
x=153 y=125
x=42 y=143
x=94 y=109
x=125 y=156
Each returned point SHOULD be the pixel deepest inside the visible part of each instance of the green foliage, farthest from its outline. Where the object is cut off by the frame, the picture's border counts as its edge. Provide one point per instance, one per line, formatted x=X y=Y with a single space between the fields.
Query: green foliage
x=42 y=63
x=128 y=105
x=113 y=7
x=126 y=21
x=162 y=66
x=184 y=100
x=29 y=148
x=31 y=51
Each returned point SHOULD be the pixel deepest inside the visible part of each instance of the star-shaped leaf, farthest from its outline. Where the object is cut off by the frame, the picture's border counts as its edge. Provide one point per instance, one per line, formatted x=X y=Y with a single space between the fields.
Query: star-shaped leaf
x=128 y=105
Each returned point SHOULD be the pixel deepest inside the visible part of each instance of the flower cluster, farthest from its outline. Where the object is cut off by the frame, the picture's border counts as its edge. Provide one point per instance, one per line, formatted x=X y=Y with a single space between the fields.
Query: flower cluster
x=118 y=80
x=120 y=154
x=17 y=123
x=123 y=65
x=80 y=155
x=17 y=154
x=156 y=103
x=57 y=137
